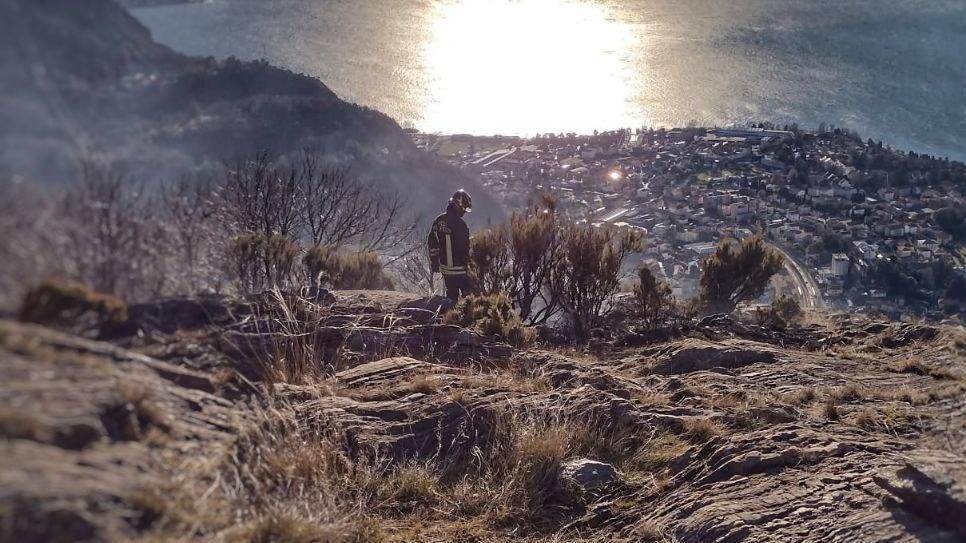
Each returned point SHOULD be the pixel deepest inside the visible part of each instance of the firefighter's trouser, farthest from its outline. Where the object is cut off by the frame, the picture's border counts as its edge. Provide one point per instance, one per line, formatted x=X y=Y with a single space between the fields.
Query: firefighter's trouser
x=456 y=285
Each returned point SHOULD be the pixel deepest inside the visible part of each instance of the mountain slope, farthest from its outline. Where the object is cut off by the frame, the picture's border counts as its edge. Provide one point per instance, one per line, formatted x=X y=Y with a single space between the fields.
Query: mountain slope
x=85 y=79
x=411 y=430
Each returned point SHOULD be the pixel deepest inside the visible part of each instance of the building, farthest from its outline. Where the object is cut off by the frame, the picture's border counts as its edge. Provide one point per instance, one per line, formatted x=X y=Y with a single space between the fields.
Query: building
x=840 y=265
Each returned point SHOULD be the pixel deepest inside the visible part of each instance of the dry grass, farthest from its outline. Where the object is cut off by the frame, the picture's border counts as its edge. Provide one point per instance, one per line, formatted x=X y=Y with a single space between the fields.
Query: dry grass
x=16 y=424
x=295 y=527
x=866 y=418
x=888 y=418
x=283 y=344
x=408 y=487
x=540 y=452
x=912 y=396
x=957 y=340
x=801 y=396
x=148 y=411
x=657 y=453
x=492 y=316
x=650 y=398
x=830 y=409
x=528 y=383
x=420 y=383
x=423 y=384
x=918 y=367
x=947 y=391
x=512 y=380
x=55 y=302
x=648 y=532
x=847 y=393
x=896 y=419
x=730 y=400
x=691 y=391
x=169 y=509
x=459 y=396
x=701 y=430
x=293 y=476
x=289 y=478
x=908 y=395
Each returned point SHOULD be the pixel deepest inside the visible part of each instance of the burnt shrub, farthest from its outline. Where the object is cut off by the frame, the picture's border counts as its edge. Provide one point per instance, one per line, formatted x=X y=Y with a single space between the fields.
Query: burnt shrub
x=534 y=248
x=783 y=312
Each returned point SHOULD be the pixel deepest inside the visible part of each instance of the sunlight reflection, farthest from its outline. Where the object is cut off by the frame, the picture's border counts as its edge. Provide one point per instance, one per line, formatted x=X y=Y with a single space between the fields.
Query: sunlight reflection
x=526 y=66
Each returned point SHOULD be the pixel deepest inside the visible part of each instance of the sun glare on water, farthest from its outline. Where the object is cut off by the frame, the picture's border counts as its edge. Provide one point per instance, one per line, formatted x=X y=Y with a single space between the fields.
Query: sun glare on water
x=526 y=66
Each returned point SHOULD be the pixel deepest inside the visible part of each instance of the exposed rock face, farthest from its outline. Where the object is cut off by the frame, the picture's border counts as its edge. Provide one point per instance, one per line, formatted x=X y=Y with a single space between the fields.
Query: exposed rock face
x=82 y=423
x=929 y=485
x=694 y=355
x=695 y=439
x=909 y=333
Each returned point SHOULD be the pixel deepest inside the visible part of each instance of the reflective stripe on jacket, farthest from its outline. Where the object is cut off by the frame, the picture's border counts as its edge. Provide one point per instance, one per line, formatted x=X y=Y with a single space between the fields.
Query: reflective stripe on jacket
x=449 y=243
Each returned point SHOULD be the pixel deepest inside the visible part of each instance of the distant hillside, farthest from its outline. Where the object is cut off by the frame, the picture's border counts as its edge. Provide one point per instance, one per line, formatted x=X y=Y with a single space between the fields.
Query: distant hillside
x=86 y=78
x=149 y=3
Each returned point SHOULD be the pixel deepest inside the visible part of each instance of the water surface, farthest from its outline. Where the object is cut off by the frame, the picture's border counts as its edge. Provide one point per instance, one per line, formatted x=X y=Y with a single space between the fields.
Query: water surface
x=892 y=69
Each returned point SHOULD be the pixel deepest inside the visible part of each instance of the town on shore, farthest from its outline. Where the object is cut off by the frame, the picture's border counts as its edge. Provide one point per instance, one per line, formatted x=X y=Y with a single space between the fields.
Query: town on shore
x=863 y=226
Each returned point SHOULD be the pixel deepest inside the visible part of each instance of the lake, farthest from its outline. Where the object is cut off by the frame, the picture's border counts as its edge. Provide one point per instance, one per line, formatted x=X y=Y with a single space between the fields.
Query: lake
x=892 y=70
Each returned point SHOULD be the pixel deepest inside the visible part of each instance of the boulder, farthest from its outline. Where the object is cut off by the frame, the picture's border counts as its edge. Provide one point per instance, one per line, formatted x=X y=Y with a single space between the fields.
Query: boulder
x=907 y=334
x=584 y=474
x=693 y=355
x=425 y=310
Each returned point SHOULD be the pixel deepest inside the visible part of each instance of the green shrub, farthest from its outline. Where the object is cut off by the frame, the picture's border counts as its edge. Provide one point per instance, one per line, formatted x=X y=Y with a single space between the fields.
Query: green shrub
x=65 y=303
x=330 y=266
x=587 y=274
x=652 y=296
x=738 y=272
x=517 y=258
x=783 y=311
x=489 y=263
x=491 y=316
x=534 y=249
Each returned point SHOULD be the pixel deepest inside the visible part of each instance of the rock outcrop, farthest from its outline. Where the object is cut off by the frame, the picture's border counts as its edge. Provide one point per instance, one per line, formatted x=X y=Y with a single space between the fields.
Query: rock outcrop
x=725 y=435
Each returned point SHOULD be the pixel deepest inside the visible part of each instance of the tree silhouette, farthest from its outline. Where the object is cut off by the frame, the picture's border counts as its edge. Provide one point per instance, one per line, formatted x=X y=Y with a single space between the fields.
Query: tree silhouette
x=737 y=272
x=652 y=295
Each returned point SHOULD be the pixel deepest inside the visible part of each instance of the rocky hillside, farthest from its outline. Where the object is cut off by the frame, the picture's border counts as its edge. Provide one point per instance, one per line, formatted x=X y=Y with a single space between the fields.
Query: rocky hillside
x=85 y=79
x=358 y=417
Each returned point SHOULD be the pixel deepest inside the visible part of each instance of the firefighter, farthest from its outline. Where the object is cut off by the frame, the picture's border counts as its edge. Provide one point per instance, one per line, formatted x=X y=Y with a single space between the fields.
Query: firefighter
x=449 y=245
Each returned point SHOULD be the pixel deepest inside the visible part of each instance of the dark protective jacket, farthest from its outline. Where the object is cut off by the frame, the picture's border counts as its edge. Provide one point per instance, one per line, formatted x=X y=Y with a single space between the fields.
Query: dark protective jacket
x=449 y=243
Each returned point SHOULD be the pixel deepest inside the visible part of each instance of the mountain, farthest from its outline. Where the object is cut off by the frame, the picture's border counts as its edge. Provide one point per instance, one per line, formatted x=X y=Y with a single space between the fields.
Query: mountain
x=152 y=3
x=86 y=79
x=208 y=419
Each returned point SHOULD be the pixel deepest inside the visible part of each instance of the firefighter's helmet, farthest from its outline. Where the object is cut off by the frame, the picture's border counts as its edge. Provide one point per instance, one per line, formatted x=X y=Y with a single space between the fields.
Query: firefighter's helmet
x=463 y=200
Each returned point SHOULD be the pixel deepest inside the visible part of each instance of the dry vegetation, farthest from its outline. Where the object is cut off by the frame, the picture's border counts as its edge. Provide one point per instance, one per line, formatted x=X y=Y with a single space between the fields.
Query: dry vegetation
x=72 y=305
x=326 y=456
x=265 y=222
x=492 y=316
x=306 y=482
